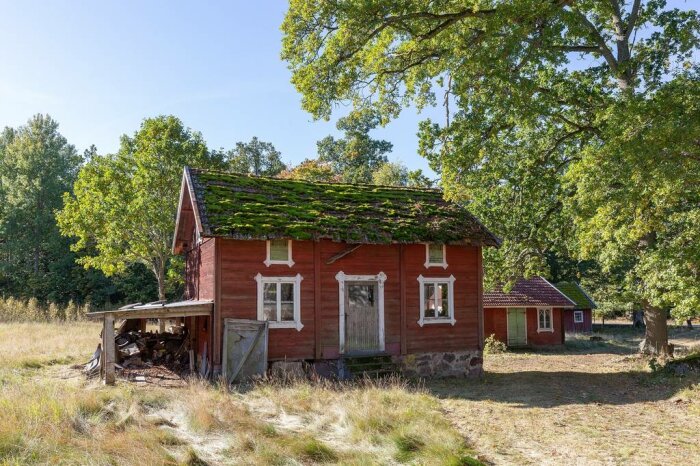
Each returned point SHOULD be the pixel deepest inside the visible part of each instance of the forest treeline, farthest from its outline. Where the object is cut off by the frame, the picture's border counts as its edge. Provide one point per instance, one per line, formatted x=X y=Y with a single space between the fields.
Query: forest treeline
x=94 y=229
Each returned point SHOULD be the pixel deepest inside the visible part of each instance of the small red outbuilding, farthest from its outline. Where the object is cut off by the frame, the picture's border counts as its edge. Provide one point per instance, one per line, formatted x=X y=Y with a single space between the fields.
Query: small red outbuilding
x=530 y=314
x=580 y=318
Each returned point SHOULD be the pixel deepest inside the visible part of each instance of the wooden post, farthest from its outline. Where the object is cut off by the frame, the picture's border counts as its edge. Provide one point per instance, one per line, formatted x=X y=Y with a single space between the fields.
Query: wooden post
x=480 y=296
x=109 y=349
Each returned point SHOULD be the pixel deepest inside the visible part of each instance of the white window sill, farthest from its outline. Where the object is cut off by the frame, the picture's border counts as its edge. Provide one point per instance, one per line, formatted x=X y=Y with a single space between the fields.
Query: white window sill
x=268 y=263
x=545 y=330
x=435 y=264
x=296 y=325
x=433 y=321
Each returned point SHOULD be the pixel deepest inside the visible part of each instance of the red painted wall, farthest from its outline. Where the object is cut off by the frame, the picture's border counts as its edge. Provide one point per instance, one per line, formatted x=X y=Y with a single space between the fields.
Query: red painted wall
x=241 y=261
x=496 y=323
x=571 y=327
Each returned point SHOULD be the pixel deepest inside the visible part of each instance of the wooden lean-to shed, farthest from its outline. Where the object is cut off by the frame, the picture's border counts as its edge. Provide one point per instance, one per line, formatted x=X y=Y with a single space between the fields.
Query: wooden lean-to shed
x=336 y=270
x=578 y=319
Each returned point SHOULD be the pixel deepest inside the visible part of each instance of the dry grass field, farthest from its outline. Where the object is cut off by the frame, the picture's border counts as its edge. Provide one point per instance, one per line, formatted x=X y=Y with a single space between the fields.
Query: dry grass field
x=590 y=403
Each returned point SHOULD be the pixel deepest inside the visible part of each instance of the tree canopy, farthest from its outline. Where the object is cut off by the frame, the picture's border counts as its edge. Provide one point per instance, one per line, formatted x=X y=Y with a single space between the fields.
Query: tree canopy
x=256 y=157
x=123 y=204
x=357 y=155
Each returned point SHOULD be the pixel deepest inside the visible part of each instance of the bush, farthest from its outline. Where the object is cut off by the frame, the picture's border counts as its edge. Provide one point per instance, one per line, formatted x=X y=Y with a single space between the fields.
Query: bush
x=493 y=345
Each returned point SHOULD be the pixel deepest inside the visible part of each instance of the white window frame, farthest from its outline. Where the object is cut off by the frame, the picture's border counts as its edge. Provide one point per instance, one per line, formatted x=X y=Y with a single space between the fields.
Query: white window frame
x=578 y=320
x=268 y=262
x=379 y=279
x=429 y=264
x=450 y=319
x=551 y=320
x=296 y=281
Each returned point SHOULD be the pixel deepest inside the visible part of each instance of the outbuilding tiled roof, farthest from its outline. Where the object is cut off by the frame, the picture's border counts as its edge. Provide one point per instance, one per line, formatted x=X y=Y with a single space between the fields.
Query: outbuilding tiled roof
x=242 y=206
x=527 y=292
x=574 y=292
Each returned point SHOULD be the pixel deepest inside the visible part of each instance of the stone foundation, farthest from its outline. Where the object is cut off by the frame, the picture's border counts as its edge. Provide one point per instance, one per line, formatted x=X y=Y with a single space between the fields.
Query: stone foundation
x=442 y=364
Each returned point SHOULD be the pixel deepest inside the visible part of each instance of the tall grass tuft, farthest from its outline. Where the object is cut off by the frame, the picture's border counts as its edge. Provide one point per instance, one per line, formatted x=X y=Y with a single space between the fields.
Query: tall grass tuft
x=18 y=310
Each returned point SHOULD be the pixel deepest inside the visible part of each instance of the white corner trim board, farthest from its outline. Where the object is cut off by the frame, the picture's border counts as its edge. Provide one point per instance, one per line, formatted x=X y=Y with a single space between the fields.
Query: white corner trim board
x=268 y=262
x=450 y=319
x=380 y=278
x=296 y=281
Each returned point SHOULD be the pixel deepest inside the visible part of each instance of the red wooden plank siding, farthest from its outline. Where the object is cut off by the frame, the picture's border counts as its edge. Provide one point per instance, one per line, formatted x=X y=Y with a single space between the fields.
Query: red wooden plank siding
x=573 y=327
x=241 y=261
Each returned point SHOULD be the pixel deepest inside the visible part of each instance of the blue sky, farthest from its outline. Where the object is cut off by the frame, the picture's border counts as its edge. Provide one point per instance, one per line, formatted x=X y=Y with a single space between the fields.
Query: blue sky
x=99 y=68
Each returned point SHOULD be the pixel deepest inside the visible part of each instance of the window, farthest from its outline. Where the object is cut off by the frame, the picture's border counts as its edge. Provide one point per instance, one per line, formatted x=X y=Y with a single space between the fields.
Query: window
x=544 y=320
x=435 y=255
x=279 y=301
x=436 y=300
x=578 y=317
x=279 y=251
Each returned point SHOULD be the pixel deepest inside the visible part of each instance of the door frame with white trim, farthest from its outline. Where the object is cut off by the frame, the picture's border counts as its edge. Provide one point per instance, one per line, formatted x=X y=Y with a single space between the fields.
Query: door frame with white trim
x=342 y=278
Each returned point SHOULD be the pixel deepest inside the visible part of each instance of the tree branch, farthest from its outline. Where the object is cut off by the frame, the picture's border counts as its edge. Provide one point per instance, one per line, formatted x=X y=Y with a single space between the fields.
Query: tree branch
x=632 y=20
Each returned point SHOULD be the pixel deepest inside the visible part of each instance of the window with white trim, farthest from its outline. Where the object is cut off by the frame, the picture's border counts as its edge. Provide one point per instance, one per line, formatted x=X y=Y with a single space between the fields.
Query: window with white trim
x=578 y=317
x=436 y=300
x=279 y=301
x=544 y=320
x=279 y=251
x=435 y=255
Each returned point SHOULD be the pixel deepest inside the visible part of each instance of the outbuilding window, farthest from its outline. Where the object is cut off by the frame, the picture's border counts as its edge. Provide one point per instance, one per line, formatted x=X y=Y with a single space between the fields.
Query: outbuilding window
x=435 y=255
x=578 y=317
x=279 y=251
x=544 y=320
x=279 y=301
x=436 y=300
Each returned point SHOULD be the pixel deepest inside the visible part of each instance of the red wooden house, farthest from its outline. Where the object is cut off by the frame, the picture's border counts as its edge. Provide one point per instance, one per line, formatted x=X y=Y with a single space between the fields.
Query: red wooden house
x=530 y=314
x=578 y=319
x=337 y=270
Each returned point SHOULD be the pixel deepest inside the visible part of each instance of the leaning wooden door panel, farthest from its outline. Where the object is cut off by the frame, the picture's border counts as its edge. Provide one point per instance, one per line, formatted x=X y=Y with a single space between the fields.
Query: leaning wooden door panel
x=245 y=349
x=361 y=318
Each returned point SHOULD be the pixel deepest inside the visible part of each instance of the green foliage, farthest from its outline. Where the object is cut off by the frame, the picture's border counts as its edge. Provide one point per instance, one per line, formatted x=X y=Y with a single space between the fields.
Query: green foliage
x=549 y=107
x=37 y=165
x=123 y=205
x=256 y=157
x=391 y=174
x=637 y=206
x=493 y=345
x=356 y=156
x=311 y=170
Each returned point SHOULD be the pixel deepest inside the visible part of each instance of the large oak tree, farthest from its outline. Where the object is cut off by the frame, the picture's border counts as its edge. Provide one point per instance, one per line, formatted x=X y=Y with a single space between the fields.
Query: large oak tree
x=535 y=92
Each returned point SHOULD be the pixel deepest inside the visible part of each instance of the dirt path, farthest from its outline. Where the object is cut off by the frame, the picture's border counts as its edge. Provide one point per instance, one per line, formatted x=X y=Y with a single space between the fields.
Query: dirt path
x=569 y=408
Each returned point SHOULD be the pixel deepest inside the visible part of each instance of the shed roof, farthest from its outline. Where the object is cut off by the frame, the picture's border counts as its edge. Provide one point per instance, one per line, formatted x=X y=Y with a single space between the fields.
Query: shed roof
x=535 y=291
x=574 y=292
x=243 y=206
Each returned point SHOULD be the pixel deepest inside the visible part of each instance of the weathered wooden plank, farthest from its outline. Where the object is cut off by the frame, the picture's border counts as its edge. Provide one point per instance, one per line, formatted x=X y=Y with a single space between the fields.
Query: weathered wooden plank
x=109 y=350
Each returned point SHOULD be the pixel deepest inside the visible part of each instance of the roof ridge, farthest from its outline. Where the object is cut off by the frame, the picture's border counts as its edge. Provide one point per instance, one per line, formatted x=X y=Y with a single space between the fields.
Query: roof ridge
x=331 y=183
x=558 y=290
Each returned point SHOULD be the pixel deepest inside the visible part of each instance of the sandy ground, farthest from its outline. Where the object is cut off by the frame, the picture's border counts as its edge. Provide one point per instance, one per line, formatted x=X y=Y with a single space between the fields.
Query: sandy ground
x=593 y=405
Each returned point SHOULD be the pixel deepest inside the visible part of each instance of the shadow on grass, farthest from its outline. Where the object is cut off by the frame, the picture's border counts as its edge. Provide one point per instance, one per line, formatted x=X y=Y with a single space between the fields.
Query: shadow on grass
x=542 y=389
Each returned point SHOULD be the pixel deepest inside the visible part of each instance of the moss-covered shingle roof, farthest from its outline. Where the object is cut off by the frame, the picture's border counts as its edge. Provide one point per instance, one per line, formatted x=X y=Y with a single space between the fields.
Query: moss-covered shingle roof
x=574 y=292
x=249 y=207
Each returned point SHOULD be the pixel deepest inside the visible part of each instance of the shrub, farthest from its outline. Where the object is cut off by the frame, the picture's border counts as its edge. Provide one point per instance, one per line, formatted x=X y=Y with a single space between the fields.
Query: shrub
x=493 y=345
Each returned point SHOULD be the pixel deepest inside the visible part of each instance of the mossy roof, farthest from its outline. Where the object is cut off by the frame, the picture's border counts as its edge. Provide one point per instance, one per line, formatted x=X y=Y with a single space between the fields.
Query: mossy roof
x=574 y=292
x=244 y=206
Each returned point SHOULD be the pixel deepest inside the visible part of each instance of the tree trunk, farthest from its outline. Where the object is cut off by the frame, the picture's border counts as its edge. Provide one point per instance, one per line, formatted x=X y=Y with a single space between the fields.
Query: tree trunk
x=656 y=334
